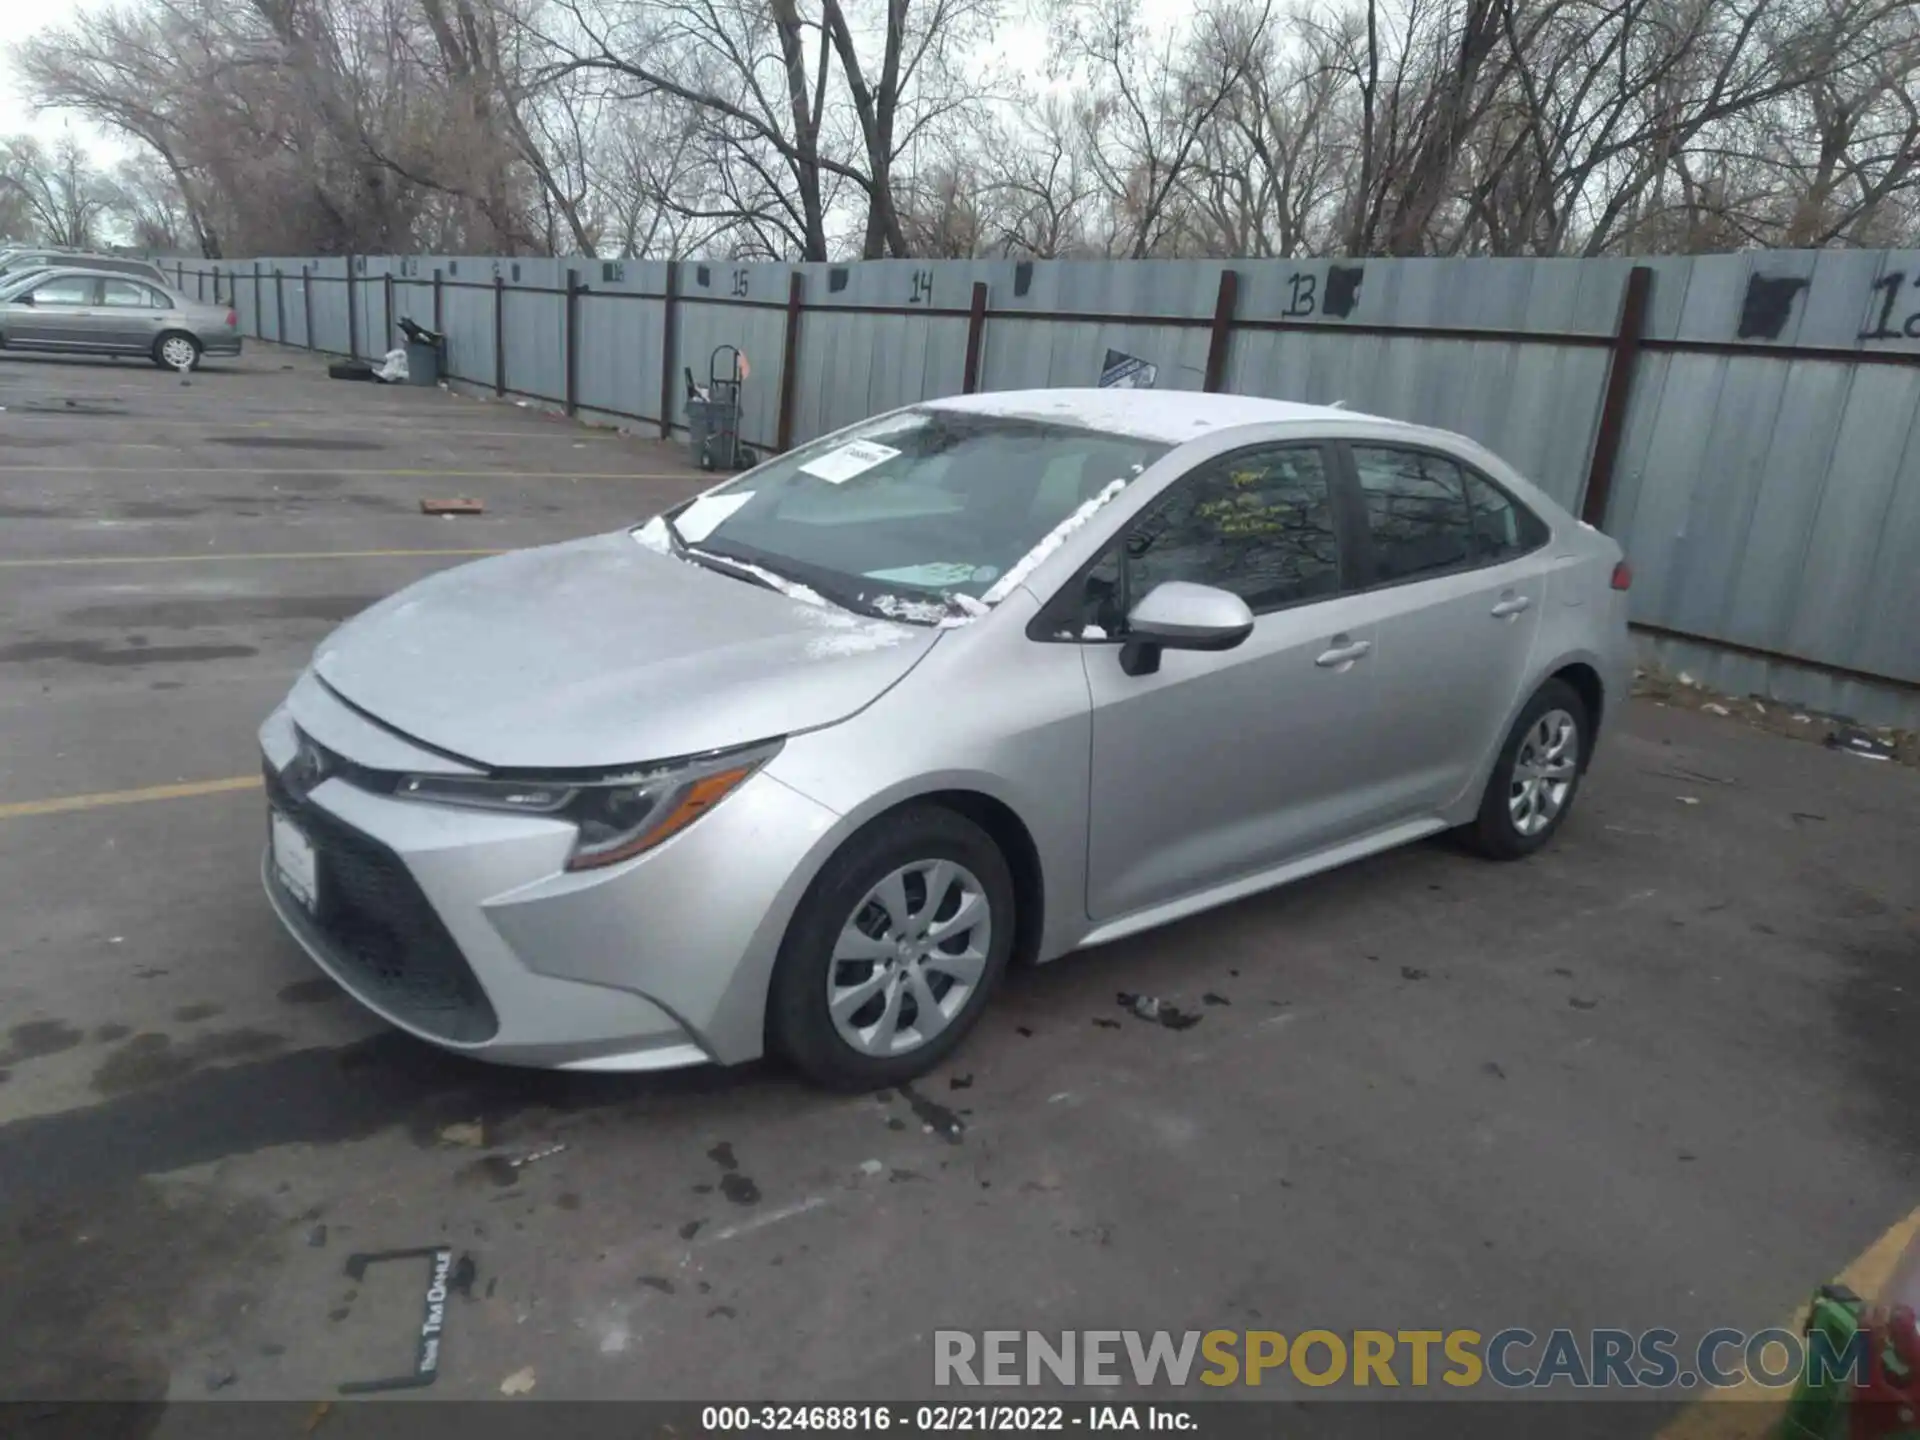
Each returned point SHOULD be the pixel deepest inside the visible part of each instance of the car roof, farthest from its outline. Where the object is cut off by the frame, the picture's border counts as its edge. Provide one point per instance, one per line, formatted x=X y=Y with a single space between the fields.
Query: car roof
x=92 y=272
x=1172 y=416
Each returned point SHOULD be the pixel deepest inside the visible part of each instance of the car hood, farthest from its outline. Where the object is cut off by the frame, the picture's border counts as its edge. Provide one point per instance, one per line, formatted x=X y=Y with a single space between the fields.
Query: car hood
x=603 y=653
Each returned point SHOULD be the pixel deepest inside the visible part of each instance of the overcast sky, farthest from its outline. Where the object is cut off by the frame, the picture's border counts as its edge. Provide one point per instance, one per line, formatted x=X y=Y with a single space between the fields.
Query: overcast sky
x=16 y=116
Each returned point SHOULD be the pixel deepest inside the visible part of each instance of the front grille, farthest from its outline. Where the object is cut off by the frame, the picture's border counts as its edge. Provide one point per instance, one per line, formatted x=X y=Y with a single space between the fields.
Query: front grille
x=377 y=926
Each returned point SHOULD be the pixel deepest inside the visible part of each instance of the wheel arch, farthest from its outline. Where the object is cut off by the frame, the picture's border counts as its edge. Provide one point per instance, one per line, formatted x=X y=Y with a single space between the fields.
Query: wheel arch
x=170 y=333
x=1585 y=681
x=972 y=798
x=1581 y=669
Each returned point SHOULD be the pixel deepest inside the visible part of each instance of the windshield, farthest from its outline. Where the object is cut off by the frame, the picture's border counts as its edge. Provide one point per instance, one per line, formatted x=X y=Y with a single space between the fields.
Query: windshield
x=922 y=505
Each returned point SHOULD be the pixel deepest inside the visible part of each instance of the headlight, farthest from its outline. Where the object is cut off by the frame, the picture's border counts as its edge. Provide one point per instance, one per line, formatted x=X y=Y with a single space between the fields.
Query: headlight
x=618 y=816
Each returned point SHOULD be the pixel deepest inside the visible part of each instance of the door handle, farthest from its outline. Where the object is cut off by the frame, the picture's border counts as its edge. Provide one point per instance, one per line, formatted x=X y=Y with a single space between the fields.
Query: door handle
x=1510 y=605
x=1343 y=654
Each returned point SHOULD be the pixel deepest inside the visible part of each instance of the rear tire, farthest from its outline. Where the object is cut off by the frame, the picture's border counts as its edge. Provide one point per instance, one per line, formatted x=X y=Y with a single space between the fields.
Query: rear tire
x=1536 y=776
x=174 y=347
x=879 y=977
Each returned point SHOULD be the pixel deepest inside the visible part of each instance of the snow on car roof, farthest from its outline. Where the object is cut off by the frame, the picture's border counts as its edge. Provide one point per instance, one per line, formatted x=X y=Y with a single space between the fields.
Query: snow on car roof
x=1173 y=416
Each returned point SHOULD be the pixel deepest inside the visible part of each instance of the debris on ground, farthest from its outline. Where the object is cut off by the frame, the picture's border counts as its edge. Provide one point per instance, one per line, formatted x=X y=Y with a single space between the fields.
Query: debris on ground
x=1493 y=1068
x=1412 y=972
x=1577 y=1003
x=871 y=1167
x=317 y=1236
x=469 y=1133
x=520 y=1382
x=935 y=1118
x=532 y=1156
x=960 y=1082
x=1681 y=772
x=1775 y=717
x=220 y=1377
x=1106 y=1024
x=458 y=505
x=1856 y=741
x=1155 y=1010
x=1210 y=998
x=1687 y=799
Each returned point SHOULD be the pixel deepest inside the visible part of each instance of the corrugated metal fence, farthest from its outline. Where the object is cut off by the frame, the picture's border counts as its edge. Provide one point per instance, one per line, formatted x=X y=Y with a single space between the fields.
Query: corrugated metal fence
x=1743 y=423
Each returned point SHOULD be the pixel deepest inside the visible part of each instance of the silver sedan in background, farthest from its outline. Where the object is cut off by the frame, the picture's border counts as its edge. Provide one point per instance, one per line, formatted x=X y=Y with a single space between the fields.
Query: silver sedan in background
x=804 y=763
x=74 y=311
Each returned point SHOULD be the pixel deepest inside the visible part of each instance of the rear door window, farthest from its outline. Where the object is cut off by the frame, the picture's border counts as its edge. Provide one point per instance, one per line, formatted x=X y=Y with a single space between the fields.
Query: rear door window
x=1418 y=522
x=1502 y=527
x=125 y=295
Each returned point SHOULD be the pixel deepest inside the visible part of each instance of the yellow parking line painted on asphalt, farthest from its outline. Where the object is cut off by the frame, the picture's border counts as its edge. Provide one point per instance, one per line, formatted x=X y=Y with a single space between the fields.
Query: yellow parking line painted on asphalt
x=334 y=470
x=60 y=805
x=1750 y=1410
x=253 y=555
x=324 y=422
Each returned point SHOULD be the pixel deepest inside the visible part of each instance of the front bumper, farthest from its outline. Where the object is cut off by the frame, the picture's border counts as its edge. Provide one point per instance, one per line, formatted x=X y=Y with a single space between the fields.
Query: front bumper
x=463 y=927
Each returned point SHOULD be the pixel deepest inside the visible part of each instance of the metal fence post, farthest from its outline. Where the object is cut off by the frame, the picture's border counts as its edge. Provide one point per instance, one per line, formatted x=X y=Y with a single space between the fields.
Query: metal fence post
x=790 y=353
x=499 y=335
x=353 y=317
x=1619 y=394
x=386 y=305
x=306 y=303
x=438 y=328
x=279 y=307
x=1221 y=340
x=669 y=341
x=259 y=328
x=976 y=332
x=574 y=287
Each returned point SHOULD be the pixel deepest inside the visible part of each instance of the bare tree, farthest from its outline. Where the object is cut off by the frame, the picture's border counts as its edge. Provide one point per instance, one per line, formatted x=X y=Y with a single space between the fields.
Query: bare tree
x=1148 y=106
x=813 y=128
x=59 y=190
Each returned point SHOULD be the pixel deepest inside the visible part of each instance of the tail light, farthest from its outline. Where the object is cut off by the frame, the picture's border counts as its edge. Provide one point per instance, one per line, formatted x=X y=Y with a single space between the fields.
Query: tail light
x=233 y=323
x=1622 y=575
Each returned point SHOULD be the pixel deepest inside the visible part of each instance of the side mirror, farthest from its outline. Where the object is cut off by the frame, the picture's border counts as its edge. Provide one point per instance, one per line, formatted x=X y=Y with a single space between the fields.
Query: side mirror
x=1179 y=615
x=24 y=298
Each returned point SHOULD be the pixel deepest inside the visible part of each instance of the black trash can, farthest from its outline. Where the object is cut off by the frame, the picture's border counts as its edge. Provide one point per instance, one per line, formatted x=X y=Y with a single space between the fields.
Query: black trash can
x=426 y=353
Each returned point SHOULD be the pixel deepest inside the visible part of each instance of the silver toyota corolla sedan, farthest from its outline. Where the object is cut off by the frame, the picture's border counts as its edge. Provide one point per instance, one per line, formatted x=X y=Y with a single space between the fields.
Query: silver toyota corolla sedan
x=803 y=764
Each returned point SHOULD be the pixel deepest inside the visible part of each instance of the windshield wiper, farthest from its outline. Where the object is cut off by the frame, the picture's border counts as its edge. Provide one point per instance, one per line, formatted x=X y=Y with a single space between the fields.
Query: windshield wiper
x=720 y=564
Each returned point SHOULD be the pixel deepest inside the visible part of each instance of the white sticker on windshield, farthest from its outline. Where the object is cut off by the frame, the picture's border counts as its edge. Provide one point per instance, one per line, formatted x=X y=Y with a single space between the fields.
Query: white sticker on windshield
x=836 y=467
x=703 y=516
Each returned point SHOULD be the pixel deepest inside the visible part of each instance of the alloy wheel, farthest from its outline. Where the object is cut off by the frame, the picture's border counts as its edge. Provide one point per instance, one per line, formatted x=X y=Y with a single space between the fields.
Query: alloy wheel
x=1543 y=772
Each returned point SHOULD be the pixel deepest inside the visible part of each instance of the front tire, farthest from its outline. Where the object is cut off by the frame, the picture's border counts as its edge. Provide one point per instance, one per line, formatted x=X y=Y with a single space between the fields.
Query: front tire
x=894 y=952
x=1536 y=776
x=175 y=349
